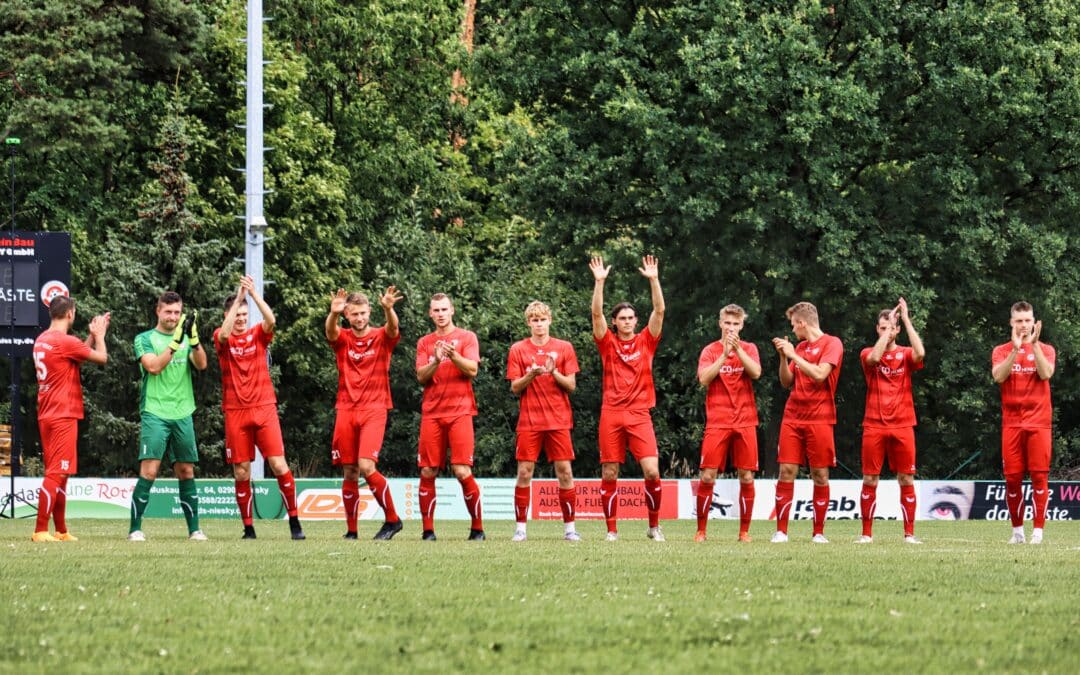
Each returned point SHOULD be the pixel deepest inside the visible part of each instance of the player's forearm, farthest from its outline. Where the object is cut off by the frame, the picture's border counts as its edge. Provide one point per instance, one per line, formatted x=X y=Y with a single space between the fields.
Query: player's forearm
x=268 y=318
x=874 y=357
x=751 y=367
x=787 y=378
x=706 y=375
x=522 y=383
x=332 y=326
x=468 y=367
x=99 y=353
x=1002 y=370
x=568 y=383
x=227 y=323
x=197 y=356
x=1043 y=367
x=424 y=374
x=917 y=349
x=598 y=323
x=393 y=325
x=155 y=363
x=817 y=373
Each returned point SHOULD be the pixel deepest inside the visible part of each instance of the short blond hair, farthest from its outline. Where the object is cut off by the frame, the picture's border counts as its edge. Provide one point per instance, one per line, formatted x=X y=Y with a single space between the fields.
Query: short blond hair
x=537 y=308
x=733 y=310
x=805 y=311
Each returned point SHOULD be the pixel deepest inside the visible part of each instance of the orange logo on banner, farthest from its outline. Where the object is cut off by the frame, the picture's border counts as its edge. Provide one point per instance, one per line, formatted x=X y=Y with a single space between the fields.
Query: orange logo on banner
x=327 y=505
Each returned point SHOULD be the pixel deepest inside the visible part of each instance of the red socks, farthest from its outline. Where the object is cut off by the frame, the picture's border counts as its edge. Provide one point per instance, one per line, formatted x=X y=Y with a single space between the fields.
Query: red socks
x=521 y=503
x=471 y=492
x=427 y=502
x=350 y=497
x=60 y=508
x=704 y=504
x=1040 y=495
x=46 y=502
x=609 y=497
x=867 y=506
x=907 y=506
x=1014 y=498
x=377 y=484
x=821 y=507
x=785 y=493
x=244 y=500
x=654 y=493
x=568 y=503
x=287 y=487
x=746 y=506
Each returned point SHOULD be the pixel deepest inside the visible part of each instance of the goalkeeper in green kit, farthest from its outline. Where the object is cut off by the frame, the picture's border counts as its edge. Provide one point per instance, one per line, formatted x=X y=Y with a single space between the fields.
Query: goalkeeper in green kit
x=166 y=354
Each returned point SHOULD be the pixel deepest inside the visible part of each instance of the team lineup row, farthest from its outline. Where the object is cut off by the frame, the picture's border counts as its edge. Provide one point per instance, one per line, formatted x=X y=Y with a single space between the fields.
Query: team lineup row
x=542 y=373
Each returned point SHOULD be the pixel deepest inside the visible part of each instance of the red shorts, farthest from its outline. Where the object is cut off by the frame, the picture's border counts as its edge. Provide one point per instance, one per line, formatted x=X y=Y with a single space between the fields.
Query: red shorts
x=440 y=433
x=807 y=444
x=741 y=442
x=246 y=428
x=60 y=441
x=556 y=444
x=897 y=444
x=1025 y=450
x=620 y=429
x=358 y=434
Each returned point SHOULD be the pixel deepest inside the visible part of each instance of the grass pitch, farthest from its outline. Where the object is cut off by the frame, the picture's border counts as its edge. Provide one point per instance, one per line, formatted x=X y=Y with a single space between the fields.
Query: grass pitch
x=964 y=601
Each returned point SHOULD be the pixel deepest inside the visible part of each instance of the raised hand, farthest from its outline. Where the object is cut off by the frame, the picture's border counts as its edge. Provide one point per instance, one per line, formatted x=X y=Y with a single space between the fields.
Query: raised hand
x=649 y=268
x=191 y=328
x=1017 y=338
x=99 y=324
x=337 y=301
x=902 y=306
x=247 y=285
x=391 y=297
x=599 y=272
x=784 y=347
x=1035 y=331
x=549 y=365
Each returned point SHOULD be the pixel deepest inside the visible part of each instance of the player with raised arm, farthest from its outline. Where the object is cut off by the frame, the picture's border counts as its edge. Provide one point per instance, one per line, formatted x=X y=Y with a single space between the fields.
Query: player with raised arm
x=811 y=371
x=166 y=353
x=363 y=356
x=543 y=371
x=1022 y=367
x=447 y=360
x=889 y=421
x=727 y=369
x=57 y=356
x=628 y=394
x=249 y=403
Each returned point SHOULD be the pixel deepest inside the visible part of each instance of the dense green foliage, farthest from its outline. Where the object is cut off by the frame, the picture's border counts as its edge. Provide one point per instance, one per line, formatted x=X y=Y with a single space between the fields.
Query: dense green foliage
x=766 y=152
x=964 y=602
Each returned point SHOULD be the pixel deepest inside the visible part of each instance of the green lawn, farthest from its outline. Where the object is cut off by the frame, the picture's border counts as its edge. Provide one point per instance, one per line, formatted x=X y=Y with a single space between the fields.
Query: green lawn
x=962 y=602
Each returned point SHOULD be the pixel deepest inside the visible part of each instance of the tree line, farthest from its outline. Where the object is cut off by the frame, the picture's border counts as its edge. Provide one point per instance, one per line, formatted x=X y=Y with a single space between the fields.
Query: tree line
x=766 y=152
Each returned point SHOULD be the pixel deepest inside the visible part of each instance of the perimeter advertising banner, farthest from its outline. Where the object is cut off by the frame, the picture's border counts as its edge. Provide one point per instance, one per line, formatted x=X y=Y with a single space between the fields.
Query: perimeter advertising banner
x=320 y=499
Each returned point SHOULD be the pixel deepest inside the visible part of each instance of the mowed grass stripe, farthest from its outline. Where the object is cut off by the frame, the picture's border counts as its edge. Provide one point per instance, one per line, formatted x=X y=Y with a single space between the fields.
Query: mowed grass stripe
x=963 y=601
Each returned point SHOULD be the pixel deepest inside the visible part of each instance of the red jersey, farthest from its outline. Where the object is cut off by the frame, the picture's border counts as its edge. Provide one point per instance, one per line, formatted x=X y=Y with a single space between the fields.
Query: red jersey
x=245 y=370
x=729 y=403
x=1025 y=397
x=545 y=405
x=888 y=389
x=811 y=402
x=363 y=365
x=450 y=392
x=628 y=380
x=56 y=359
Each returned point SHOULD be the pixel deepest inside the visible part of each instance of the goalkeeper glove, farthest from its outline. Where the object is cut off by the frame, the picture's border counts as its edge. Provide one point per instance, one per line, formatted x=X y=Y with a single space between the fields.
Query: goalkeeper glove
x=178 y=334
x=191 y=328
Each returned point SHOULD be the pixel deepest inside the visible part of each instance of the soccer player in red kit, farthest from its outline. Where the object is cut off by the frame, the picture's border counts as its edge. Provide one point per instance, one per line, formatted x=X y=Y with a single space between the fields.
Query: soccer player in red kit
x=447 y=360
x=57 y=356
x=727 y=368
x=811 y=370
x=628 y=395
x=249 y=403
x=543 y=371
x=889 y=421
x=363 y=399
x=1022 y=367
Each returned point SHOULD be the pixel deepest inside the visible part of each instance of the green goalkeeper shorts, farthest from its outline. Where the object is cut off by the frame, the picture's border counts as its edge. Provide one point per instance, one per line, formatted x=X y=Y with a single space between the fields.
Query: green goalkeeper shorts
x=160 y=438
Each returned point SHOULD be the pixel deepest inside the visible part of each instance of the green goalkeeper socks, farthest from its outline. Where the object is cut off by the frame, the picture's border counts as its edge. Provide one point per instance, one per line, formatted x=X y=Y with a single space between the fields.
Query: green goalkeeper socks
x=139 y=499
x=189 y=501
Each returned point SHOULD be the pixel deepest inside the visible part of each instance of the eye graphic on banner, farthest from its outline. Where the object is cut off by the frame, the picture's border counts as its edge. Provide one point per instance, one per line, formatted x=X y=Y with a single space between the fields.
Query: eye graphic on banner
x=51 y=289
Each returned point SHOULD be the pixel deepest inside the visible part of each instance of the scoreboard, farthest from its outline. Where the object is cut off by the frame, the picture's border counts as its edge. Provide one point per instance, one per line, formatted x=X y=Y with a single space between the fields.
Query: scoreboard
x=35 y=267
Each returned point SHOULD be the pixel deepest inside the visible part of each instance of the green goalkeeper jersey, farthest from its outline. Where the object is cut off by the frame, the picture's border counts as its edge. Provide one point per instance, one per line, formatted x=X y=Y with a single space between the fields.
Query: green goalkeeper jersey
x=169 y=394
